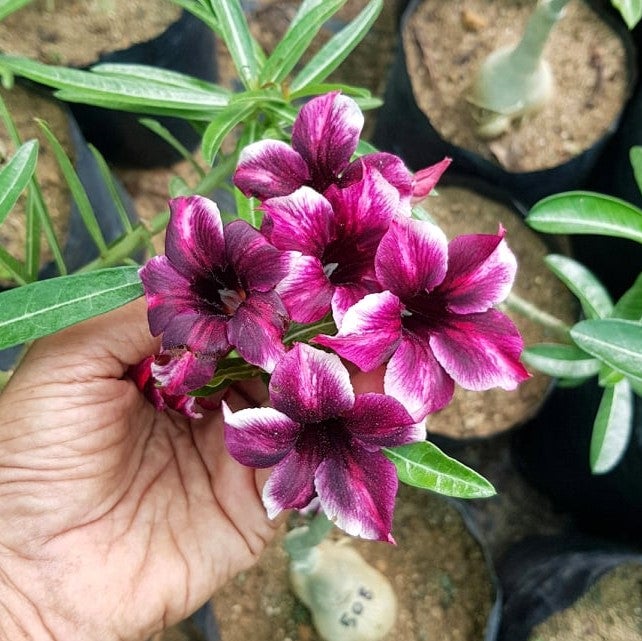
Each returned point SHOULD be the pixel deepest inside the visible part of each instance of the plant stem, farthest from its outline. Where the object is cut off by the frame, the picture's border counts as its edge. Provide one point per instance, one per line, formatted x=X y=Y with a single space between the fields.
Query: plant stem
x=556 y=327
x=300 y=542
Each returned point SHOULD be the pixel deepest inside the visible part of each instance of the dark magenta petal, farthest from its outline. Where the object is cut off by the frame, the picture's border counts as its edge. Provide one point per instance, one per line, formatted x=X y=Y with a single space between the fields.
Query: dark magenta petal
x=181 y=371
x=481 y=271
x=310 y=385
x=391 y=167
x=269 y=168
x=357 y=490
x=257 y=264
x=302 y=221
x=291 y=484
x=480 y=351
x=259 y=436
x=257 y=328
x=194 y=240
x=306 y=291
x=326 y=133
x=202 y=333
x=167 y=292
x=416 y=379
x=369 y=332
x=412 y=257
x=425 y=180
x=382 y=421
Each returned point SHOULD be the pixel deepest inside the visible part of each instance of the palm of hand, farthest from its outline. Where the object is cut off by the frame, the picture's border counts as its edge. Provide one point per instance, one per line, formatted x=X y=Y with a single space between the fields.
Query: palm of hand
x=124 y=516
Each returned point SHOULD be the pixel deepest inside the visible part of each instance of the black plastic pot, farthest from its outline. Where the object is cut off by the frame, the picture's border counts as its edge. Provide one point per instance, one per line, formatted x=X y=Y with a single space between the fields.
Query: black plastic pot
x=187 y=46
x=404 y=129
x=543 y=575
x=79 y=248
x=552 y=452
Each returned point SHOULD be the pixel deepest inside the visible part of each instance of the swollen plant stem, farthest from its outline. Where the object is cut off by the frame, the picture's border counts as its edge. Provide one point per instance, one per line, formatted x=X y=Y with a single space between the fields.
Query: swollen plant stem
x=300 y=542
x=556 y=327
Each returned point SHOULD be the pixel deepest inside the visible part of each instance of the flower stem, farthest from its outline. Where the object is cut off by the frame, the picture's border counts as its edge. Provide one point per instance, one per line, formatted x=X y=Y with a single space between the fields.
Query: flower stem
x=300 y=542
x=556 y=327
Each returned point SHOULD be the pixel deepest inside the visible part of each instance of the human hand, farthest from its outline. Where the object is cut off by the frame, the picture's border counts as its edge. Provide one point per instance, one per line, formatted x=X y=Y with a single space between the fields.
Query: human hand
x=115 y=520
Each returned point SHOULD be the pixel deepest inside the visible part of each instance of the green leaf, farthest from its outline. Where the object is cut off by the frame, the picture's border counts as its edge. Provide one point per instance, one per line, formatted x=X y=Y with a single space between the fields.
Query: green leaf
x=296 y=40
x=236 y=34
x=612 y=427
x=46 y=306
x=593 y=296
x=222 y=125
x=561 y=361
x=9 y=6
x=425 y=465
x=15 y=176
x=77 y=189
x=201 y=12
x=616 y=342
x=629 y=306
x=635 y=155
x=631 y=11
x=337 y=49
x=578 y=212
x=12 y=268
x=119 y=91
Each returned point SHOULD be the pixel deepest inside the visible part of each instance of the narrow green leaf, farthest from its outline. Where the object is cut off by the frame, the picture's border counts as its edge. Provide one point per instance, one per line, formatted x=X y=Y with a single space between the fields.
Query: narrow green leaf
x=578 y=212
x=118 y=92
x=9 y=6
x=202 y=12
x=15 y=176
x=170 y=139
x=612 y=427
x=616 y=342
x=12 y=268
x=596 y=301
x=76 y=187
x=631 y=11
x=337 y=49
x=236 y=34
x=296 y=40
x=425 y=465
x=629 y=306
x=560 y=361
x=635 y=155
x=326 y=87
x=222 y=125
x=44 y=307
x=32 y=245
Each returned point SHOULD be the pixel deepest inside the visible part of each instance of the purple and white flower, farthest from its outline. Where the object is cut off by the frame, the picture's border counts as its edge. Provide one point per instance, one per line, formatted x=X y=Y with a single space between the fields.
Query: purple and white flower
x=435 y=324
x=325 y=135
x=324 y=441
x=336 y=236
x=214 y=291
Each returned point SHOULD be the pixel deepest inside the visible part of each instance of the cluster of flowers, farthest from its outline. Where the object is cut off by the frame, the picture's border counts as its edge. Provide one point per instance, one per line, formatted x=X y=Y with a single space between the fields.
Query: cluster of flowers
x=338 y=241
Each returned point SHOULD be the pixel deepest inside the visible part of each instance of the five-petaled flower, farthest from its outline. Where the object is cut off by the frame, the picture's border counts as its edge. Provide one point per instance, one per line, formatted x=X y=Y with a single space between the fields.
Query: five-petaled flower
x=434 y=323
x=325 y=135
x=336 y=236
x=213 y=291
x=324 y=441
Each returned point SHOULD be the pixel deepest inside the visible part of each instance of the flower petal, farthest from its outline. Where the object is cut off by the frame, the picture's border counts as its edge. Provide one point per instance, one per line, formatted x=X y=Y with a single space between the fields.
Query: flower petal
x=167 y=293
x=391 y=167
x=382 y=421
x=257 y=329
x=194 y=239
x=425 y=180
x=346 y=296
x=412 y=257
x=369 y=332
x=291 y=484
x=182 y=371
x=481 y=351
x=481 y=271
x=257 y=263
x=310 y=385
x=259 y=436
x=357 y=490
x=306 y=291
x=415 y=378
x=199 y=332
x=326 y=133
x=302 y=221
x=269 y=168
